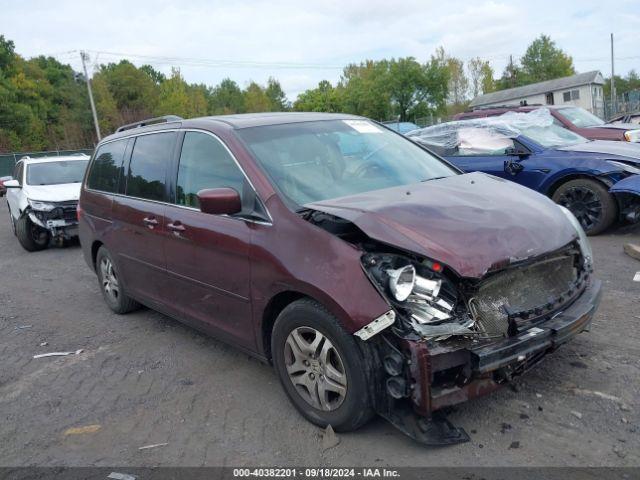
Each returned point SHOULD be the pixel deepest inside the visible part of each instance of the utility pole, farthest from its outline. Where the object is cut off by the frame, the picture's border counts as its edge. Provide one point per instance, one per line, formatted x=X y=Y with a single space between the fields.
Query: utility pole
x=85 y=57
x=613 y=83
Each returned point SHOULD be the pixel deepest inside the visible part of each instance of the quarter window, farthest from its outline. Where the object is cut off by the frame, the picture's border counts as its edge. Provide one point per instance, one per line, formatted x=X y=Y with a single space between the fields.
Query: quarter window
x=106 y=167
x=146 y=177
x=205 y=163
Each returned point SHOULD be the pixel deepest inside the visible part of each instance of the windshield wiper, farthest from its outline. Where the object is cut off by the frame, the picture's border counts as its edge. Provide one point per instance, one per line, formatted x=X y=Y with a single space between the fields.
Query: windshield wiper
x=433 y=178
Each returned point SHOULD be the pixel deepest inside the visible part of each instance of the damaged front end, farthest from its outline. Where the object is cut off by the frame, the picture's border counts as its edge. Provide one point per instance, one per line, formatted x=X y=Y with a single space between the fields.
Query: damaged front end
x=455 y=339
x=448 y=339
x=59 y=219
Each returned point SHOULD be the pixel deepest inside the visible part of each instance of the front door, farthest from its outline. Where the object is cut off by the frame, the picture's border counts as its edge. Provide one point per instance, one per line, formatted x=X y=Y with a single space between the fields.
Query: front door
x=208 y=255
x=139 y=217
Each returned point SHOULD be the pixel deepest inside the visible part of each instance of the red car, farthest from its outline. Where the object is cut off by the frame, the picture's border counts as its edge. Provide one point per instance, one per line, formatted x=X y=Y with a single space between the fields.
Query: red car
x=3 y=189
x=373 y=275
x=575 y=119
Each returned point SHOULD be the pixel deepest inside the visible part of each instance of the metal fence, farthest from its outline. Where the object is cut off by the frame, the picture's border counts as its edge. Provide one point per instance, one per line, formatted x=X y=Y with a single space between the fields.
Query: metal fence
x=8 y=160
x=628 y=102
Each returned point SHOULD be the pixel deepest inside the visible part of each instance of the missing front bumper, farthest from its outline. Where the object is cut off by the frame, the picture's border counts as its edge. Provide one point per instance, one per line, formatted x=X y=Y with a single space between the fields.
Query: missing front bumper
x=476 y=371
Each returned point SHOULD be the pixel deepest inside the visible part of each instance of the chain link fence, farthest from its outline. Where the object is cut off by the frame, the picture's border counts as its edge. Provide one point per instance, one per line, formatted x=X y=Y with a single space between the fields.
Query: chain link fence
x=8 y=160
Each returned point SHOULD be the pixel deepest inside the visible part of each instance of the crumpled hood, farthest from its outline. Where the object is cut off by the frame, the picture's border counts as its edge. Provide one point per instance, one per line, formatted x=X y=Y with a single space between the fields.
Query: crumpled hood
x=473 y=223
x=607 y=147
x=65 y=192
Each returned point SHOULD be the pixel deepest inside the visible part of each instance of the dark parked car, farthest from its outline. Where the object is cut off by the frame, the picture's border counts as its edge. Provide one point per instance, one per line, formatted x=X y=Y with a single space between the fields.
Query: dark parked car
x=576 y=119
x=381 y=280
x=628 y=118
x=583 y=175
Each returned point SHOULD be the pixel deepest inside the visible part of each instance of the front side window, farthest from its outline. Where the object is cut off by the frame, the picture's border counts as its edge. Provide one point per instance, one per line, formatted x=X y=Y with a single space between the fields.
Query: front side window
x=17 y=172
x=314 y=161
x=146 y=177
x=56 y=173
x=106 y=167
x=482 y=141
x=552 y=135
x=205 y=163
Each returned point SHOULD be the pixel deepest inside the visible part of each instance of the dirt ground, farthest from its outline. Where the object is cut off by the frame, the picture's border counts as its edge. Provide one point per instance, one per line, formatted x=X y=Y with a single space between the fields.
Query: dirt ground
x=144 y=379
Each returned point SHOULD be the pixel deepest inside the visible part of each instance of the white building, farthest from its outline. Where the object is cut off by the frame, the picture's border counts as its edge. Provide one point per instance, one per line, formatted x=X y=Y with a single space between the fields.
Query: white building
x=582 y=90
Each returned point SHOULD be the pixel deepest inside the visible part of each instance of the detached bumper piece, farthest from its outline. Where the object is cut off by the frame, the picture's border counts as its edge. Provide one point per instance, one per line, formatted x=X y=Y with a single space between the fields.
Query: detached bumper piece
x=436 y=375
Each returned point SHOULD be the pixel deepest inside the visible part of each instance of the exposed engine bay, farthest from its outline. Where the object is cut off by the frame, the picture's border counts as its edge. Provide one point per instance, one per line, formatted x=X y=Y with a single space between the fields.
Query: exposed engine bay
x=58 y=218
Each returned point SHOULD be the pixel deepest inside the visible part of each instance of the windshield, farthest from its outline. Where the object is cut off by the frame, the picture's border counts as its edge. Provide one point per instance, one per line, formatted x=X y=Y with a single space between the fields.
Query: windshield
x=580 y=117
x=313 y=161
x=551 y=135
x=55 y=173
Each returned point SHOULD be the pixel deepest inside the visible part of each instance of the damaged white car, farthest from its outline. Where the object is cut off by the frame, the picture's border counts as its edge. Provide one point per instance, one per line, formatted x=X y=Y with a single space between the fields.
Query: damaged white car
x=42 y=198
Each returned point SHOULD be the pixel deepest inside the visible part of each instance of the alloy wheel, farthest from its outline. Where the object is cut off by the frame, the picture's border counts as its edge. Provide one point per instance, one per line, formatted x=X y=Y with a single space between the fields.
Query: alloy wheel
x=315 y=368
x=109 y=279
x=585 y=204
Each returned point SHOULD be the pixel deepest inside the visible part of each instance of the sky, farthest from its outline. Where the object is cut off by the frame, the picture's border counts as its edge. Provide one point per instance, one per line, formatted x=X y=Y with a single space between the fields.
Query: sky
x=303 y=42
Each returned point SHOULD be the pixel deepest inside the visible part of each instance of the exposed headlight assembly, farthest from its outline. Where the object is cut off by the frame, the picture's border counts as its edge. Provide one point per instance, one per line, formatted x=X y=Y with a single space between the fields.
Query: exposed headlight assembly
x=41 y=206
x=417 y=289
x=583 y=240
x=624 y=166
x=632 y=135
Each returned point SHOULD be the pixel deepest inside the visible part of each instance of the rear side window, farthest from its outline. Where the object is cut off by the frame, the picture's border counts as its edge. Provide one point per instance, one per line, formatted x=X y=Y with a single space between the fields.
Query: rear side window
x=106 y=167
x=205 y=163
x=151 y=157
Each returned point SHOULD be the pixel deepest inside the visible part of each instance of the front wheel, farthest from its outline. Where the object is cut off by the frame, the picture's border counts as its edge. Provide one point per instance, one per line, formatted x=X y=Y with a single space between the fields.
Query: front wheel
x=32 y=237
x=591 y=203
x=320 y=367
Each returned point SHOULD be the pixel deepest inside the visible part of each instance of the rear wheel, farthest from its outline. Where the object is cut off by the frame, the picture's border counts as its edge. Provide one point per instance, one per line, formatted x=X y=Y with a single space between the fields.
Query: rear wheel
x=591 y=203
x=320 y=367
x=111 y=286
x=32 y=237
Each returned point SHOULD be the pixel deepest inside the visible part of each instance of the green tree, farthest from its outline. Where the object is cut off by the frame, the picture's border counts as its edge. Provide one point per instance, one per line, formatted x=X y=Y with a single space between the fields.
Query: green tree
x=480 y=76
x=543 y=60
x=156 y=76
x=256 y=99
x=458 y=82
x=173 y=96
x=226 y=98
x=323 y=98
x=277 y=98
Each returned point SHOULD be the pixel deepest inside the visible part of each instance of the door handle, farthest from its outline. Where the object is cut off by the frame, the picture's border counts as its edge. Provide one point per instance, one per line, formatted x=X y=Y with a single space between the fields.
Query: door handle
x=150 y=221
x=176 y=227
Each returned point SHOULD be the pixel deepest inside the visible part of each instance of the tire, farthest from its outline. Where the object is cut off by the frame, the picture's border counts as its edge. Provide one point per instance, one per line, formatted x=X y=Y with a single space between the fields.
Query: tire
x=111 y=287
x=300 y=323
x=32 y=237
x=591 y=203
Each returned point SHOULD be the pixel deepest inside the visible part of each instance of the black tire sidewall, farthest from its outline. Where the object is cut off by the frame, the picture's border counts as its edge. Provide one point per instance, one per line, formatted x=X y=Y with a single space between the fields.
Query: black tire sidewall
x=355 y=409
x=608 y=202
x=23 y=232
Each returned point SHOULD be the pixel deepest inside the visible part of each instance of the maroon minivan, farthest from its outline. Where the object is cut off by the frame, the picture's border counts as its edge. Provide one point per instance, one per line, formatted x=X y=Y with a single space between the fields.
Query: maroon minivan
x=374 y=275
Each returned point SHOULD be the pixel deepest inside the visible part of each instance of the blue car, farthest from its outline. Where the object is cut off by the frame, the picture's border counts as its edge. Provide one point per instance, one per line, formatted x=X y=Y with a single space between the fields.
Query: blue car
x=597 y=180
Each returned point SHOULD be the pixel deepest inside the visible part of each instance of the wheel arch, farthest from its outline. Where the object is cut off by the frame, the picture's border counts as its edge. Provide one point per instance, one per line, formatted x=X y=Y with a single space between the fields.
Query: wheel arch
x=95 y=246
x=557 y=182
x=274 y=307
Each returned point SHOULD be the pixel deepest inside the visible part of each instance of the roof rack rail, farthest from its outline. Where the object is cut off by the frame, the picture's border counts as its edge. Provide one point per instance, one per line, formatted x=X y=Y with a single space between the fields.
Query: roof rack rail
x=150 y=121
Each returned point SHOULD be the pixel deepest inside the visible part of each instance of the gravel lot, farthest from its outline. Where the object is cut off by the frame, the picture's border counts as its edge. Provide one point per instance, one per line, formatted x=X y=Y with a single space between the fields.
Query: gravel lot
x=145 y=379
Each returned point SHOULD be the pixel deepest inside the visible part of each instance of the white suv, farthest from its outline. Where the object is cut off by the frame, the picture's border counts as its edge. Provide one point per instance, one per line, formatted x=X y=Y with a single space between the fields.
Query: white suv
x=42 y=197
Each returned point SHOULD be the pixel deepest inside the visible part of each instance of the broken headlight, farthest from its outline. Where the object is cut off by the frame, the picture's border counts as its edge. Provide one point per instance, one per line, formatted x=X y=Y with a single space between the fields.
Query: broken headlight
x=425 y=297
x=41 y=206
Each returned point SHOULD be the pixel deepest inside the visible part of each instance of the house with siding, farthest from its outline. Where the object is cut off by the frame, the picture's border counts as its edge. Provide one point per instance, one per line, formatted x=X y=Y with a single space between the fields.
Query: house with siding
x=581 y=90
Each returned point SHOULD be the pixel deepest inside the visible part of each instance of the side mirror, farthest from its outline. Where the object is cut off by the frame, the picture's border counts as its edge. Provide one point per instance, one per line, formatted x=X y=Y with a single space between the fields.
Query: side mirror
x=12 y=184
x=219 y=201
x=517 y=152
x=512 y=167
